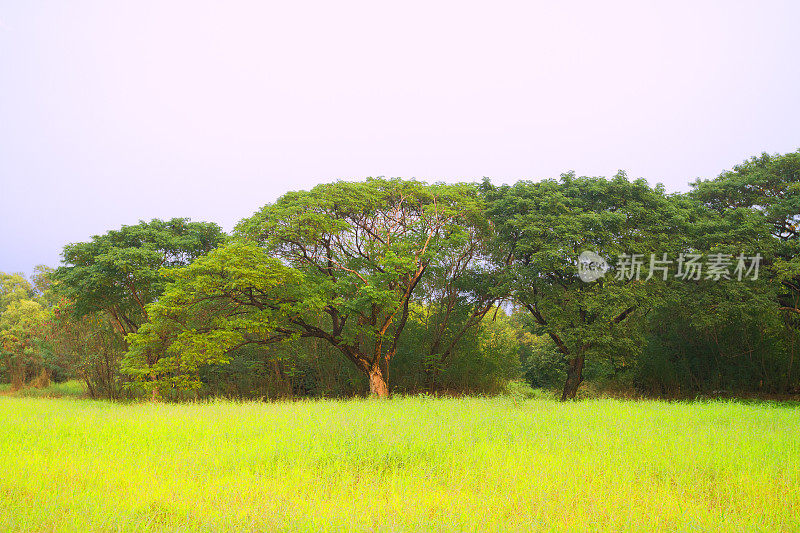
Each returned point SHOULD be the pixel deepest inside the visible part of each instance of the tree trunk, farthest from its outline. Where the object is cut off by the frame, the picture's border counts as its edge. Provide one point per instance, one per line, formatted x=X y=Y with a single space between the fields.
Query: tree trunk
x=430 y=375
x=89 y=388
x=377 y=383
x=574 y=378
x=17 y=379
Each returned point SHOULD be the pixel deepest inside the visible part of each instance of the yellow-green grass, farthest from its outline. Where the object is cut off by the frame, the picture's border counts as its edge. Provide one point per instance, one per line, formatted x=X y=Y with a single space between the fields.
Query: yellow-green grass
x=406 y=464
x=74 y=389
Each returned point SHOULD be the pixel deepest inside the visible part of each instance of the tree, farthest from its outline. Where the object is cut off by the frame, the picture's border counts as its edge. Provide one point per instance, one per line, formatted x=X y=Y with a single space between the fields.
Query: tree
x=340 y=263
x=769 y=186
x=759 y=202
x=235 y=296
x=14 y=287
x=120 y=272
x=88 y=347
x=460 y=287
x=20 y=328
x=21 y=332
x=114 y=276
x=706 y=336
x=542 y=229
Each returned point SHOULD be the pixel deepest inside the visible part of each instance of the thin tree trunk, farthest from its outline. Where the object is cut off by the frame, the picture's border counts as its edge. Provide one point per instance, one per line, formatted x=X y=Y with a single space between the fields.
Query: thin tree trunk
x=430 y=378
x=17 y=379
x=788 y=387
x=574 y=377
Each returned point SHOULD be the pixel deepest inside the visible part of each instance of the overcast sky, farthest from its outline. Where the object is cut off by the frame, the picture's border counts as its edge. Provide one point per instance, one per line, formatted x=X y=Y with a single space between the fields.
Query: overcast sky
x=112 y=111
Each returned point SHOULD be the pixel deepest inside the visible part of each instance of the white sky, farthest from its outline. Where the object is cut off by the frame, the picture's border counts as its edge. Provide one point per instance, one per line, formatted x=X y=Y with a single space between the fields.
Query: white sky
x=115 y=111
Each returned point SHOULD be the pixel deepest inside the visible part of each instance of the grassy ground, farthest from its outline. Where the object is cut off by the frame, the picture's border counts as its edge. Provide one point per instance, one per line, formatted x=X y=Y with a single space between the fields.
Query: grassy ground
x=67 y=389
x=406 y=464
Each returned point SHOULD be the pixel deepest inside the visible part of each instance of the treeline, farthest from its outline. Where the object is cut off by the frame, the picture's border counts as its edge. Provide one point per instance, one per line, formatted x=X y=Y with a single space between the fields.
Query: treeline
x=398 y=285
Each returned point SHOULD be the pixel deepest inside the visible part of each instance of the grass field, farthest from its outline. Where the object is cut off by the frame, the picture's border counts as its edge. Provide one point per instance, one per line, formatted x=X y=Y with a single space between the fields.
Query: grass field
x=406 y=464
x=67 y=389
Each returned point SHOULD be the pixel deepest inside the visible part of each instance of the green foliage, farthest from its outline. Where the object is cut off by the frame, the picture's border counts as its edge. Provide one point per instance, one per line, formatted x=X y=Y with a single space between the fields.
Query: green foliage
x=14 y=288
x=235 y=296
x=543 y=227
x=340 y=263
x=65 y=389
x=385 y=284
x=367 y=247
x=490 y=363
x=107 y=284
x=714 y=337
x=88 y=348
x=765 y=191
x=123 y=270
x=482 y=361
x=735 y=336
x=21 y=334
x=543 y=365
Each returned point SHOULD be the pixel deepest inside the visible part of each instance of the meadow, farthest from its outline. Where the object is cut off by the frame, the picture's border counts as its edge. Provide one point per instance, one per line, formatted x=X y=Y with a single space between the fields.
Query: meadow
x=404 y=464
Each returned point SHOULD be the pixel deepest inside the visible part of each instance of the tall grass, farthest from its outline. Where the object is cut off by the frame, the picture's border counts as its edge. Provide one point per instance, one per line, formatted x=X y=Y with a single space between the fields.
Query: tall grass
x=73 y=389
x=407 y=464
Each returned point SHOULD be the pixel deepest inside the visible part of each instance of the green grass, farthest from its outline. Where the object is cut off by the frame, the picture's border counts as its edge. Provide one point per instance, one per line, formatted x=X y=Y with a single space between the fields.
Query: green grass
x=407 y=464
x=67 y=389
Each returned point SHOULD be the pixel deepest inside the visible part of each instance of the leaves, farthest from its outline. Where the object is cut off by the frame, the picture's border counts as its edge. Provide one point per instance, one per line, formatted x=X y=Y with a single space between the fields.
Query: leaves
x=543 y=227
x=123 y=270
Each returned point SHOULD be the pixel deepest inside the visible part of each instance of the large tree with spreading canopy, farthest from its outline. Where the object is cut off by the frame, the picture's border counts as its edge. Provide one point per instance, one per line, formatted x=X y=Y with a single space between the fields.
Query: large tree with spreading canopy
x=543 y=227
x=340 y=263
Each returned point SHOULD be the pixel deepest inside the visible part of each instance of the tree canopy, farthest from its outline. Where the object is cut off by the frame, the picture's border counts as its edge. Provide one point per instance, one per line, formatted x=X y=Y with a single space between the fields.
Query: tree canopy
x=341 y=263
x=122 y=271
x=543 y=227
x=393 y=284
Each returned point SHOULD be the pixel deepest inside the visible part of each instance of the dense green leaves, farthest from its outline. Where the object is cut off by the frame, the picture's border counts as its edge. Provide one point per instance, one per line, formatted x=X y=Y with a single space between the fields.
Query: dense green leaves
x=765 y=192
x=22 y=321
x=341 y=263
x=121 y=271
x=543 y=228
x=234 y=296
x=324 y=291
